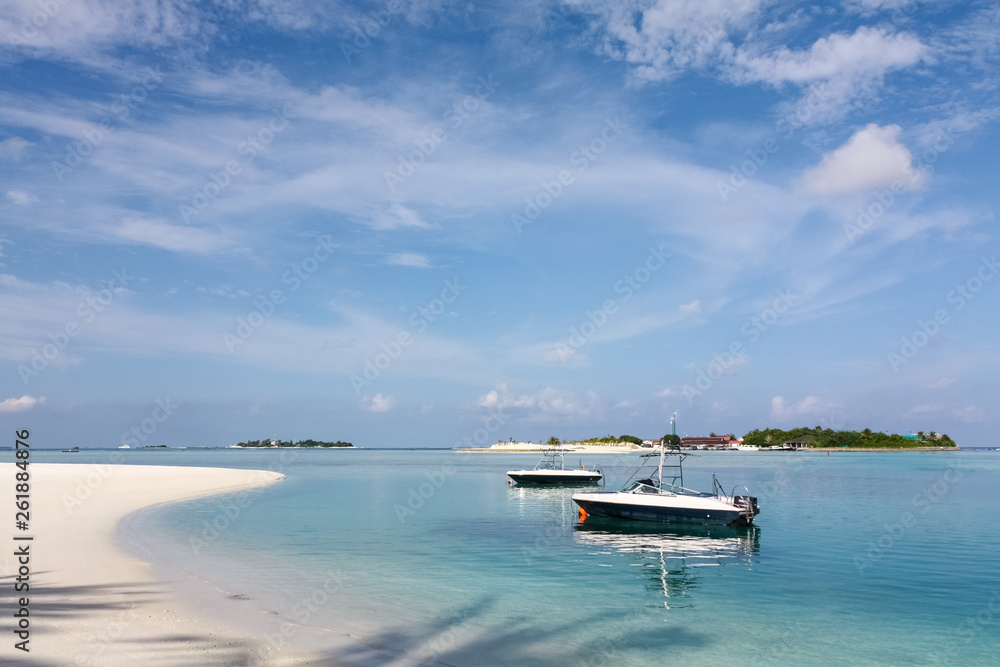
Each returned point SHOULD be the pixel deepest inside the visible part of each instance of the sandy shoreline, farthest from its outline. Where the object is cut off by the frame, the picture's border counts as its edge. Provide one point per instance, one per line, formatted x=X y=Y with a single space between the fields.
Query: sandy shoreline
x=90 y=603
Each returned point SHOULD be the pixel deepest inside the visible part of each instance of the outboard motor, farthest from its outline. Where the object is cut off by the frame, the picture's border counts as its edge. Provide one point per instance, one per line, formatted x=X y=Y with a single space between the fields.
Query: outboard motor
x=749 y=505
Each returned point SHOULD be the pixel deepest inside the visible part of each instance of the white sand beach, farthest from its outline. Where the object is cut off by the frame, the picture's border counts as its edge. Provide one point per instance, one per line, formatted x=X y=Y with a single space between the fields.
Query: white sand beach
x=91 y=603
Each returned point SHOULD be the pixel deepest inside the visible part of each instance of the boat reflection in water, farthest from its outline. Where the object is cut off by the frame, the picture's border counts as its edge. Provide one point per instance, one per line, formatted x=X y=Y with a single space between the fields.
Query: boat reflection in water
x=671 y=556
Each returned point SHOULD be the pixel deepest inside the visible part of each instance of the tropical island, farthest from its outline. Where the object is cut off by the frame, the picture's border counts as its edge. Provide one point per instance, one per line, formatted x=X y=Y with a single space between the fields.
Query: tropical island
x=797 y=439
x=271 y=442
x=608 y=440
x=827 y=438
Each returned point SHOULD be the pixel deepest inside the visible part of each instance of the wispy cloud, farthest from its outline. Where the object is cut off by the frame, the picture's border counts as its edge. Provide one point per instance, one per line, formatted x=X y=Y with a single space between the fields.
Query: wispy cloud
x=22 y=404
x=412 y=259
x=20 y=197
x=13 y=149
x=380 y=403
x=810 y=406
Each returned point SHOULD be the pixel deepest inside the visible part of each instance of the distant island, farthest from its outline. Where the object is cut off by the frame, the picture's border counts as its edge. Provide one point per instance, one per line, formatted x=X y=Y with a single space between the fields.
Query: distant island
x=769 y=439
x=826 y=438
x=270 y=442
x=607 y=440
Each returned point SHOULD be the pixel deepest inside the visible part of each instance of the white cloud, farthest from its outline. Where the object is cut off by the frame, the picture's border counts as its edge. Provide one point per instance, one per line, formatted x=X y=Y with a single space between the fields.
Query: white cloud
x=690 y=309
x=869 y=52
x=162 y=234
x=871 y=159
x=13 y=149
x=837 y=72
x=924 y=409
x=501 y=398
x=396 y=216
x=870 y=5
x=810 y=405
x=941 y=383
x=380 y=403
x=563 y=354
x=672 y=36
x=677 y=36
x=543 y=405
x=20 y=197
x=80 y=30
x=414 y=259
x=969 y=413
x=15 y=405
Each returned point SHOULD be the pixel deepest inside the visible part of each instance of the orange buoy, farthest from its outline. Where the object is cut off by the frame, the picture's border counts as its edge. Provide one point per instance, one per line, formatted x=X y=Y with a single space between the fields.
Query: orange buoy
x=583 y=514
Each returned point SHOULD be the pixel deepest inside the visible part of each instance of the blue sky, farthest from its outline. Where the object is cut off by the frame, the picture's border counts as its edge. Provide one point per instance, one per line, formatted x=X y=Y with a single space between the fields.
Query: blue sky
x=423 y=223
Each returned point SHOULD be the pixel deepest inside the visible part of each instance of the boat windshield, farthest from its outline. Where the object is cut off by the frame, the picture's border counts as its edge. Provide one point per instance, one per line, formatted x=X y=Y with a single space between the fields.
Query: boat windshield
x=650 y=486
x=551 y=460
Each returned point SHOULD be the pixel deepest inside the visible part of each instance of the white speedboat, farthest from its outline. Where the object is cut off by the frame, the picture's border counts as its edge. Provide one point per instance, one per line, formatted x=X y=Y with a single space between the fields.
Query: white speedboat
x=646 y=497
x=551 y=470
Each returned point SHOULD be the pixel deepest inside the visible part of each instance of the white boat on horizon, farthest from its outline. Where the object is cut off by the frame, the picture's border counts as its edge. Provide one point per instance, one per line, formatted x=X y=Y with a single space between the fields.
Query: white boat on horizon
x=551 y=470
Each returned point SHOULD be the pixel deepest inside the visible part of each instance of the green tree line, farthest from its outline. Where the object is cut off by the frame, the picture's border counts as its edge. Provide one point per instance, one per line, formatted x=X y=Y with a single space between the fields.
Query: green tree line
x=269 y=442
x=829 y=438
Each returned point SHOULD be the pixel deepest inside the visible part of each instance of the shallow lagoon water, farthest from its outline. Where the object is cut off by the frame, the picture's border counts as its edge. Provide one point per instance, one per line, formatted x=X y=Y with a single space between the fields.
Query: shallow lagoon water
x=861 y=558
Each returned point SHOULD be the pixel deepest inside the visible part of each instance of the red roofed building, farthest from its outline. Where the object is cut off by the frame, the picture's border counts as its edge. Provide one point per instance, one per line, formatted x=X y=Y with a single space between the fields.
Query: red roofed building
x=711 y=441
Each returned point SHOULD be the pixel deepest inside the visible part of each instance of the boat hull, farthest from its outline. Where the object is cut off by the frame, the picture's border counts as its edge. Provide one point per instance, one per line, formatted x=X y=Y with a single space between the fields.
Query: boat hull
x=663 y=509
x=555 y=477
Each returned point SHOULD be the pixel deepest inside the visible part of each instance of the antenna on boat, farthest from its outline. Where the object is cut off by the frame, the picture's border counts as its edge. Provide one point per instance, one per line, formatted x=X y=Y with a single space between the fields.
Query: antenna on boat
x=673 y=431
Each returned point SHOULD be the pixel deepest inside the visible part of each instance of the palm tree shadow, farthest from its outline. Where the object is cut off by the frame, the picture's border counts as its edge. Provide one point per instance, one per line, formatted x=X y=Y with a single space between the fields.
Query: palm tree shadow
x=53 y=610
x=470 y=638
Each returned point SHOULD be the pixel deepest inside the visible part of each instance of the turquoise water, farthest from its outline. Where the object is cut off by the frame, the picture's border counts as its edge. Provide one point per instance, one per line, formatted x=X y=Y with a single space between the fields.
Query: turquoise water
x=856 y=559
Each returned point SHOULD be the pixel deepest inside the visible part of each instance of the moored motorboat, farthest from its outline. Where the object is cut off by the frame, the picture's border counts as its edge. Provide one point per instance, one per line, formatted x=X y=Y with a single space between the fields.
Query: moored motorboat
x=551 y=470
x=646 y=497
